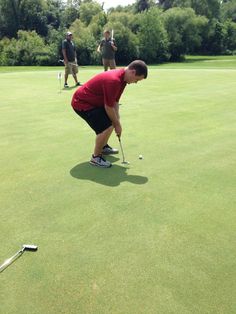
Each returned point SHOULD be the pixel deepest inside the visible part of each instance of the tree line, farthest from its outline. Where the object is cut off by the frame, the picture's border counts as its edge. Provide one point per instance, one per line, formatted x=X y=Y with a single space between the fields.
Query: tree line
x=31 y=31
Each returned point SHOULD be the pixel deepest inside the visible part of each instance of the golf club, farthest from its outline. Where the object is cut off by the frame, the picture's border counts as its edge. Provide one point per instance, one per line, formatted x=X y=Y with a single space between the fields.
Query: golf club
x=121 y=148
x=12 y=259
x=112 y=34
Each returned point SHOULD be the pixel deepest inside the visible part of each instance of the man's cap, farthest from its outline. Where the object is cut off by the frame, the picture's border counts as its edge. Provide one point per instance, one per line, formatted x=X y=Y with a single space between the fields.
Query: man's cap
x=68 y=33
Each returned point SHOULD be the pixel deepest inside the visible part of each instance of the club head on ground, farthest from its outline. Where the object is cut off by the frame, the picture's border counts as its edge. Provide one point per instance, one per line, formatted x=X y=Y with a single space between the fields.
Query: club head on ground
x=30 y=247
x=125 y=162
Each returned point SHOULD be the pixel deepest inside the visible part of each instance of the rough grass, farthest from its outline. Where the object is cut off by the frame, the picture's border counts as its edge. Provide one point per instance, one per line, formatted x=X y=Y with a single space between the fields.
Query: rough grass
x=155 y=237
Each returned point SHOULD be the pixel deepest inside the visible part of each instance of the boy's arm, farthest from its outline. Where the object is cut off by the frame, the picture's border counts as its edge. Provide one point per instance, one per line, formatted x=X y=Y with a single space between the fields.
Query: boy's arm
x=113 y=114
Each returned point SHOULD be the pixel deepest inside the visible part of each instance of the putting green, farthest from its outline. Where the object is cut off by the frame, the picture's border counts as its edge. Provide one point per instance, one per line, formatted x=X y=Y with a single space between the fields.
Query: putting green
x=157 y=236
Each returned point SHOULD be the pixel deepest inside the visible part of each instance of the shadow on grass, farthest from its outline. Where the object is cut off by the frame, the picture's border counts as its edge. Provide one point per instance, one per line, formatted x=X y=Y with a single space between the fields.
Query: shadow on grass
x=69 y=88
x=110 y=176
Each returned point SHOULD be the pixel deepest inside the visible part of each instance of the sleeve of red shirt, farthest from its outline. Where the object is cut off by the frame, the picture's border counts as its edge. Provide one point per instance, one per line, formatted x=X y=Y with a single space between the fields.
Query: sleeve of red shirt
x=111 y=90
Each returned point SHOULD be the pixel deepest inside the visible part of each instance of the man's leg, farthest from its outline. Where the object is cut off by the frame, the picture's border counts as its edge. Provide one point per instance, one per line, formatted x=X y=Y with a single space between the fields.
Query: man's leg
x=66 y=78
x=112 y=64
x=105 y=64
x=75 y=78
x=74 y=73
x=67 y=71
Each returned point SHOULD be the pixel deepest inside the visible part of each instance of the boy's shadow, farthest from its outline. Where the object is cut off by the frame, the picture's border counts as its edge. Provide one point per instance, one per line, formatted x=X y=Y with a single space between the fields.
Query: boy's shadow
x=110 y=176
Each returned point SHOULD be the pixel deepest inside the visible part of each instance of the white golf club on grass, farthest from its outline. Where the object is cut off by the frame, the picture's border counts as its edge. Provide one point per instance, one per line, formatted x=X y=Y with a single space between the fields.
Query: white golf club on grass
x=9 y=261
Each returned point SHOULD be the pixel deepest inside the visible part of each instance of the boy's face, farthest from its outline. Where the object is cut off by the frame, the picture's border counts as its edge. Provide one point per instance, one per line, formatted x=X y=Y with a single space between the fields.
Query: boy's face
x=133 y=78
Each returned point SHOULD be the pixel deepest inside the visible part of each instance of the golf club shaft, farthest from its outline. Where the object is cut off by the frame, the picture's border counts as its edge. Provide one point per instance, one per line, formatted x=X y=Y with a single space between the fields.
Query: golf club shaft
x=121 y=148
x=11 y=260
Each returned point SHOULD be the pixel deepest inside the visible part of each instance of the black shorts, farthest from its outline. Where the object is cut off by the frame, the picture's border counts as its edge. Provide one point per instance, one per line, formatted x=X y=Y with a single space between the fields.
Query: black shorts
x=96 y=118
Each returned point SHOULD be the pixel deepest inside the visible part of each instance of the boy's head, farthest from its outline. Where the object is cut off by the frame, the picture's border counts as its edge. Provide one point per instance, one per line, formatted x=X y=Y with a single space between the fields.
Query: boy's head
x=136 y=71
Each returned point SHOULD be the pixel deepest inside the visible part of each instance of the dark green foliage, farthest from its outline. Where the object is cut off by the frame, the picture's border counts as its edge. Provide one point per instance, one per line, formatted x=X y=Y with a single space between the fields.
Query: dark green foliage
x=184 y=30
x=153 y=39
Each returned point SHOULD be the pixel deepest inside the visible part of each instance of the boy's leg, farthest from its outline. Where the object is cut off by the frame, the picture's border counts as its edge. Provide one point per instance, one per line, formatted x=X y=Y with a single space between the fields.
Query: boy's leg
x=101 y=140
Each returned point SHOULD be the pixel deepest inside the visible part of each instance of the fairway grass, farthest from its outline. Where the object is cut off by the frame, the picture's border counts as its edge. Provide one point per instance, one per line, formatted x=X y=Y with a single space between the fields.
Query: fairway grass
x=155 y=237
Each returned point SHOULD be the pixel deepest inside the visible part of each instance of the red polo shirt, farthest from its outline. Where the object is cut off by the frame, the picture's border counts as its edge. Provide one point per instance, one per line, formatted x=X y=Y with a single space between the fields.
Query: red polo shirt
x=103 y=89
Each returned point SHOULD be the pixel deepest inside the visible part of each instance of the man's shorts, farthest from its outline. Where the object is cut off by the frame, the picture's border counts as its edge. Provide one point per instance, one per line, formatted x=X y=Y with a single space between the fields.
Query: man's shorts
x=96 y=118
x=71 y=68
x=109 y=63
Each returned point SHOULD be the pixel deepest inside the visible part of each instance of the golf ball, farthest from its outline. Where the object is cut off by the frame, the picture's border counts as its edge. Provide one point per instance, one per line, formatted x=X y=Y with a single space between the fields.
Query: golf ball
x=140 y=156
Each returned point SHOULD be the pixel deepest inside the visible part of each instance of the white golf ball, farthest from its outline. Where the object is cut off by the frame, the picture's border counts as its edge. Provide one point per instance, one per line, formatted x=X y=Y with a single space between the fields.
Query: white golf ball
x=140 y=156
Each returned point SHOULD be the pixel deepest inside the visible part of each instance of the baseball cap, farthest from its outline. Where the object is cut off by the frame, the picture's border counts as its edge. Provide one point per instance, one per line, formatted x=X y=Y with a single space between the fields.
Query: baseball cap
x=68 y=33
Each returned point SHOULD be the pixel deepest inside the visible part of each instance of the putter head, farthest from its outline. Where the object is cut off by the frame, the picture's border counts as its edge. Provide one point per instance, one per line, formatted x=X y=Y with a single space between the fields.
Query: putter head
x=125 y=162
x=30 y=247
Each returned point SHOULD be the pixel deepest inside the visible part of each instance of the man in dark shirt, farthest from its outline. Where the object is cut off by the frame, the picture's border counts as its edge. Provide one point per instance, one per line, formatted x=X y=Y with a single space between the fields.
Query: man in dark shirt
x=97 y=102
x=107 y=48
x=70 y=60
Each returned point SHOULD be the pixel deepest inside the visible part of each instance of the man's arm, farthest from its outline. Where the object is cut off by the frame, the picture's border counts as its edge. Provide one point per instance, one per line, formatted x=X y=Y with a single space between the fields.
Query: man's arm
x=113 y=45
x=64 y=55
x=113 y=114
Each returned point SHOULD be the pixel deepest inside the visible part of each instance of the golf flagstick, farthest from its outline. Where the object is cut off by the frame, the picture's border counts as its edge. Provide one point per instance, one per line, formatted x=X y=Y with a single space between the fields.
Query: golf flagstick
x=13 y=258
x=112 y=34
x=59 y=76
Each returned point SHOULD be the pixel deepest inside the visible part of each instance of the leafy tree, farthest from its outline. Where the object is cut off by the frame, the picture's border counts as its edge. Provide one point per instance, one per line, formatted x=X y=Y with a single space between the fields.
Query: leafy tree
x=153 y=39
x=97 y=23
x=69 y=15
x=184 y=31
x=86 y=45
x=228 y=10
x=9 y=17
x=141 y=5
x=125 y=18
x=208 y=8
x=29 y=48
x=88 y=10
x=230 y=37
x=32 y=15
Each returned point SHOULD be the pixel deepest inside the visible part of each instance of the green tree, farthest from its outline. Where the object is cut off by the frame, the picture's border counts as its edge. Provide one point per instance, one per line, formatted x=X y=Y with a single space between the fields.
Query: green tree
x=88 y=10
x=208 y=8
x=228 y=10
x=9 y=18
x=230 y=37
x=86 y=44
x=97 y=23
x=184 y=30
x=153 y=39
x=27 y=49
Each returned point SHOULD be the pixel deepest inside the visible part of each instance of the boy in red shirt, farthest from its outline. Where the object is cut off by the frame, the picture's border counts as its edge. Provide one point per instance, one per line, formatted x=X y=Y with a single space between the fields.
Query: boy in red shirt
x=97 y=102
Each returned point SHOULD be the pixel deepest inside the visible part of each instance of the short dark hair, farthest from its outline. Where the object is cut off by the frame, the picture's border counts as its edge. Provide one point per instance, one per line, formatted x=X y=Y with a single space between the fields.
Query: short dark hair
x=140 y=67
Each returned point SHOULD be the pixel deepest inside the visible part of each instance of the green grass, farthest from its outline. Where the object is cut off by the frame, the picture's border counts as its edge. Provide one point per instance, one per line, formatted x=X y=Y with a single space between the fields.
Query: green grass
x=156 y=237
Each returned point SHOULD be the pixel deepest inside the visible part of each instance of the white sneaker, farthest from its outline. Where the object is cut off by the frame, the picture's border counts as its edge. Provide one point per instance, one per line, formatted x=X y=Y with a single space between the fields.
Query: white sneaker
x=99 y=161
x=108 y=150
